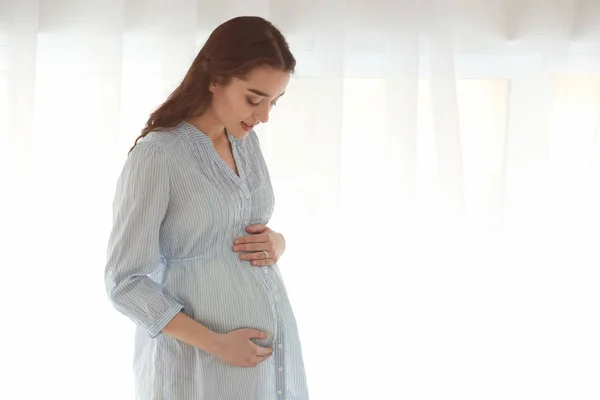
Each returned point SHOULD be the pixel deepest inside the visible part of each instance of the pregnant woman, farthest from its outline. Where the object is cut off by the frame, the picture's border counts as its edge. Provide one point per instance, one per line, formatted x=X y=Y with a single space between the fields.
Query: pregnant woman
x=191 y=259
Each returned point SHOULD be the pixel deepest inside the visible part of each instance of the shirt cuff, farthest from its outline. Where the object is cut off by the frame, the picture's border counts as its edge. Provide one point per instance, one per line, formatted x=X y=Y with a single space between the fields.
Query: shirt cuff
x=156 y=329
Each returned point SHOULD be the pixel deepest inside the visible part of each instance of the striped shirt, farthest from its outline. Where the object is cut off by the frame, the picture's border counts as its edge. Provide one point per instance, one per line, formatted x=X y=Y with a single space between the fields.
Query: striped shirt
x=177 y=210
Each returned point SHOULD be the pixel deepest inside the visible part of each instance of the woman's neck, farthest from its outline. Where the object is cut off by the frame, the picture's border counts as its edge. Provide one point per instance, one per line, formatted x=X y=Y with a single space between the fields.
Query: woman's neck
x=208 y=124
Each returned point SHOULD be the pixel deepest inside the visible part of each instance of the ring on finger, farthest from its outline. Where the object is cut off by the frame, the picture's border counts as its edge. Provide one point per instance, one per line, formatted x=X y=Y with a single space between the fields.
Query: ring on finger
x=266 y=254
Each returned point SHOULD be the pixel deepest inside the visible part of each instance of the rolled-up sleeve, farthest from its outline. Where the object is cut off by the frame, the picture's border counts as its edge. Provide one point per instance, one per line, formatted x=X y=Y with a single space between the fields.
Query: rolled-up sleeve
x=140 y=205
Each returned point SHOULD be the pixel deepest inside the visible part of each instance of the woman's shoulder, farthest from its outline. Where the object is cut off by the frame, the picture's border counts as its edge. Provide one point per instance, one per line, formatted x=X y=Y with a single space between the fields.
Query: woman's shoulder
x=166 y=139
x=170 y=141
x=158 y=147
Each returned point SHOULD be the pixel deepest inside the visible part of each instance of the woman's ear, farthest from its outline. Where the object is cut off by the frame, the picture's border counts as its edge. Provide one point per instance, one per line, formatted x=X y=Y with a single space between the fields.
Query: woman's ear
x=217 y=82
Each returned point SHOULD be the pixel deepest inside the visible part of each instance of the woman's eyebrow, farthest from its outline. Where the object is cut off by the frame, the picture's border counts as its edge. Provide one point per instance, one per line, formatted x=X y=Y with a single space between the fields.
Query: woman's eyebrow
x=263 y=94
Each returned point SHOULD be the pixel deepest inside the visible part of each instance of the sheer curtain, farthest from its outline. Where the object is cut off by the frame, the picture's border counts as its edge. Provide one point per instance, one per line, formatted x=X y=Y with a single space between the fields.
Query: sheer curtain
x=436 y=167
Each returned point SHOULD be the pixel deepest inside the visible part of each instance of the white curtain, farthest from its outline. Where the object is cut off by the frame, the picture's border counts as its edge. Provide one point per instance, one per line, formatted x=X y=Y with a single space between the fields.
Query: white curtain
x=437 y=172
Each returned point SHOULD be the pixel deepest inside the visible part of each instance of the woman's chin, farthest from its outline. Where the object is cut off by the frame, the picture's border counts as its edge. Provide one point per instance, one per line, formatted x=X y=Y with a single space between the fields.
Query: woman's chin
x=239 y=132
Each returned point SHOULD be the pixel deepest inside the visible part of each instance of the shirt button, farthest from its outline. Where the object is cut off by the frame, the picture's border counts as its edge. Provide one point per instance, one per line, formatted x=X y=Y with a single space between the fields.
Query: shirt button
x=266 y=271
x=280 y=346
x=280 y=392
x=275 y=297
x=280 y=369
x=247 y=196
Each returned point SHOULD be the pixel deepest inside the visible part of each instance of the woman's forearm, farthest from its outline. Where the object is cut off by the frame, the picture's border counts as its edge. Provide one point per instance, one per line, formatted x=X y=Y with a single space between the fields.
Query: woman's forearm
x=190 y=331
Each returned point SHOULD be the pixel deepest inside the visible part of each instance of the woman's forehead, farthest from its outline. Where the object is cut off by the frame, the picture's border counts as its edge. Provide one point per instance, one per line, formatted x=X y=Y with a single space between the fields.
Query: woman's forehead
x=266 y=81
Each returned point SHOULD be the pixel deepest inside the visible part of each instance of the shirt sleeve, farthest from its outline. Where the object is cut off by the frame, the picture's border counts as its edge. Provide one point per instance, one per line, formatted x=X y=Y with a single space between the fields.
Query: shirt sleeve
x=139 y=207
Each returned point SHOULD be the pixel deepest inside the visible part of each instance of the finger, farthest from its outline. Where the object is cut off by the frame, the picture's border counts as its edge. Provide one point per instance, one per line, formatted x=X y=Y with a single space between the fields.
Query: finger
x=258 y=255
x=257 y=360
x=256 y=334
x=264 y=351
x=260 y=238
x=249 y=247
x=260 y=359
x=251 y=362
x=263 y=356
x=265 y=262
x=256 y=228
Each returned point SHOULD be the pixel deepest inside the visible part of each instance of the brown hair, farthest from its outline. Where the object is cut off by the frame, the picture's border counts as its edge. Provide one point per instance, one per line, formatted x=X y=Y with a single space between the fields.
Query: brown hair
x=232 y=50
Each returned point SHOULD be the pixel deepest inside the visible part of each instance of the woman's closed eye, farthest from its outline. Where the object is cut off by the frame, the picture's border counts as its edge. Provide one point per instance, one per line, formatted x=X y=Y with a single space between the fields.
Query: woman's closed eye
x=254 y=104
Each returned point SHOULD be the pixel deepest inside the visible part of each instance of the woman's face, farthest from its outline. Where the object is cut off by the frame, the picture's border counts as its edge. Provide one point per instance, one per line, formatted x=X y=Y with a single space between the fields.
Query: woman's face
x=244 y=103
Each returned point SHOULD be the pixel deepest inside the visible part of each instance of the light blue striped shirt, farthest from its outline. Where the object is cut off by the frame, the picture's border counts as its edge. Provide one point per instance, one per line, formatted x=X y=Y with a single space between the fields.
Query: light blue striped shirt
x=177 y=210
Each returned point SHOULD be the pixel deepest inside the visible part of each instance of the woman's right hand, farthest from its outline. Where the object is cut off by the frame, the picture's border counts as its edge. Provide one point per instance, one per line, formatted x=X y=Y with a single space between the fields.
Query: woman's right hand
x=236 y=348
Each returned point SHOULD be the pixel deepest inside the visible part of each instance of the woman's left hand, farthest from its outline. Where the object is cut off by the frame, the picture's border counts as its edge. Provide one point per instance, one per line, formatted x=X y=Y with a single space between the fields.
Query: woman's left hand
x=263 y=246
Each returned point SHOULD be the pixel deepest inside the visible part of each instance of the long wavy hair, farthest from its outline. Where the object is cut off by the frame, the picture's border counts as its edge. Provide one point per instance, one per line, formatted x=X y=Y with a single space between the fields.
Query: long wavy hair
x=232 y=50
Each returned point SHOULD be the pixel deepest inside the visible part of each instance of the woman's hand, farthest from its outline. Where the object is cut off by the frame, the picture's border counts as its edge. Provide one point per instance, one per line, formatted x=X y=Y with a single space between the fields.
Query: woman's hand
x=235 y=348
x=264 y=247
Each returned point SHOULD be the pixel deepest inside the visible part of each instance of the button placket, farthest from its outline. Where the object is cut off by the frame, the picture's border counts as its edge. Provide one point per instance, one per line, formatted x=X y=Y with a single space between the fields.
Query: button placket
x=245 y=196
x=279 y=354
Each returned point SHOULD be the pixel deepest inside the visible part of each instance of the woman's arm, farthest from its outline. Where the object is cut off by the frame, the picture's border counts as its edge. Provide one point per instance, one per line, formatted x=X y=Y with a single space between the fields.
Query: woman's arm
x=140 y=205
x=190 y=331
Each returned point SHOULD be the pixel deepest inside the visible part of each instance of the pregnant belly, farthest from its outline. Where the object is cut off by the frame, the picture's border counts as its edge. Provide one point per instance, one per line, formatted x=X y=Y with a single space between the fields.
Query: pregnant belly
x=223 y=295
